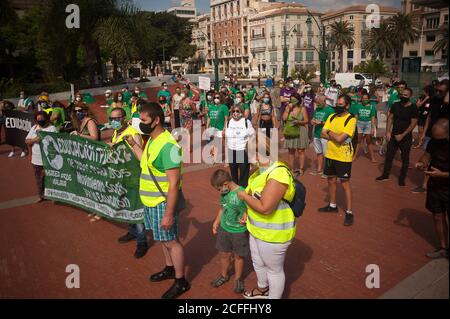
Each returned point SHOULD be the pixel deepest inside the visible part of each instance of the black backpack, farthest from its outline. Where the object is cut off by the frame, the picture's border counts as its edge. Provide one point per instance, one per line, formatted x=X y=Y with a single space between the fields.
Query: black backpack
x=298 y=203
x=355 y=135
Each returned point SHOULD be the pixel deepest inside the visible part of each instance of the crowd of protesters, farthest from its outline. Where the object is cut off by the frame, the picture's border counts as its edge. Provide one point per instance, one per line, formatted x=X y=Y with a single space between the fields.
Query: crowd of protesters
x=254 y=217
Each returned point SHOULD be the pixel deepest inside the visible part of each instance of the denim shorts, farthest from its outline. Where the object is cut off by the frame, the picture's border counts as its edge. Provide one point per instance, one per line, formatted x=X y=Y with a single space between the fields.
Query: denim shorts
x=152 y=220
x=320 y=145
x=364 y=127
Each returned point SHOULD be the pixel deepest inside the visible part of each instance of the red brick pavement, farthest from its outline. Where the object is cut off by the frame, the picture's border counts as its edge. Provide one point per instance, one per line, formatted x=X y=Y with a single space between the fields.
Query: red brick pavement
x=326 y=260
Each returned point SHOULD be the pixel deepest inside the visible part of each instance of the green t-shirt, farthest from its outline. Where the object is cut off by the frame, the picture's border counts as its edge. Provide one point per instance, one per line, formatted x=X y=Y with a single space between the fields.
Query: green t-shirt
x=126 y=96
x=355 y=98
x=353 y=108
x=393 y=97
x=110 y=102
x=251 y=94
x=217 y=114
x=143 y=95
x=321 y=114
x=365 y=113
x=232 y=210
x=166 y=94
x=168 y=158
x=61 y=119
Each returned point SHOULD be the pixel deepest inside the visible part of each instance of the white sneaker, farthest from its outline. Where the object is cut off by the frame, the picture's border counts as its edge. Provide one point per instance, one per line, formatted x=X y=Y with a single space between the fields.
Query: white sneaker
x=11 y=154
x=23 y=154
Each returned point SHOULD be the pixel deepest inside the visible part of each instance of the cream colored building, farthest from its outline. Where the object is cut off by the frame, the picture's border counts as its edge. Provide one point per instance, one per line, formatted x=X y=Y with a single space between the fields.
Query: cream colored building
x=201 y=33
x=267 y=34
x=429 y=20
x=356 y=15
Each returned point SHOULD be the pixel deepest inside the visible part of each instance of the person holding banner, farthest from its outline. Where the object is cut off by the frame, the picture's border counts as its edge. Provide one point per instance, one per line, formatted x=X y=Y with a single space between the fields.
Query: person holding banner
x=6 y=106
x=85 y=123
x=32 y=140
x=160 y=191
x=118 y=121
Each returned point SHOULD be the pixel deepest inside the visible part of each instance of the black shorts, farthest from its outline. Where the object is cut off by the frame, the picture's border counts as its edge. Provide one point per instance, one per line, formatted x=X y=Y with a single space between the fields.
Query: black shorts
x=341 y=170
x=437 y=201
x=236 y=243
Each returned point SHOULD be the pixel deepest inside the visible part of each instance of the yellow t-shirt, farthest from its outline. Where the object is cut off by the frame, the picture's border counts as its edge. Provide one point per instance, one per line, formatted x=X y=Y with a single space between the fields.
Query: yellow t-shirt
x=340 y=152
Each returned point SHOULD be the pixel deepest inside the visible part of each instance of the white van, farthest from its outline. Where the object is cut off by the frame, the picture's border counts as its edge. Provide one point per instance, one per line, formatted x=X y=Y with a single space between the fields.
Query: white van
x=352 y=79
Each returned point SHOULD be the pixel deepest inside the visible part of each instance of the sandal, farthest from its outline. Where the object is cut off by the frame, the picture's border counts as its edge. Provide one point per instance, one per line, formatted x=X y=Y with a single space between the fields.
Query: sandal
x=94 y=219
x=257 y=293
x=239 y=288
x=219 y=281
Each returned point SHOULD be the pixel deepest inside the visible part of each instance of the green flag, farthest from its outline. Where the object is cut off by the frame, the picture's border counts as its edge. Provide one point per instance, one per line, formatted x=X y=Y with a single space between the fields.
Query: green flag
x=92 y=175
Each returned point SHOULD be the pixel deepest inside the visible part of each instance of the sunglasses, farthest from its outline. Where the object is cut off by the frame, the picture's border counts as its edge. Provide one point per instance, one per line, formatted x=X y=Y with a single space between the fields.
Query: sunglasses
x=115 y=118
x=236 y=112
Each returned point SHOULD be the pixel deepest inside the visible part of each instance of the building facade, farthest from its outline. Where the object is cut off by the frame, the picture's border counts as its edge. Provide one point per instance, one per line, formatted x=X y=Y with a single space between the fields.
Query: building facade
x=186 y=9
x=201 y=35
x=357 y=16
x=279 y=23
x=429 y=20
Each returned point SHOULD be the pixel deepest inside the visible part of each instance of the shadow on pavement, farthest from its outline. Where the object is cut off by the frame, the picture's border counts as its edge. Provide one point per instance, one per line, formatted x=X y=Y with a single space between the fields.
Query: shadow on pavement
x=298 y=255
x=420 y=222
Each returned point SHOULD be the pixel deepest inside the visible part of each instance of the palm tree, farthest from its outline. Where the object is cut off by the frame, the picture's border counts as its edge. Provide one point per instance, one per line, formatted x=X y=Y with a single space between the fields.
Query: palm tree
x=402 y=31
x=442 y=43
x=342 y=34
x=380 y=42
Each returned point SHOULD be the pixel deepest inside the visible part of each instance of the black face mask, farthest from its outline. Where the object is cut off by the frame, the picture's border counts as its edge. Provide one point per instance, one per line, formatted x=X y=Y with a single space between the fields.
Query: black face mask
x=147 y=129
x=42 y=123
x=404 y=100
x=339 y=109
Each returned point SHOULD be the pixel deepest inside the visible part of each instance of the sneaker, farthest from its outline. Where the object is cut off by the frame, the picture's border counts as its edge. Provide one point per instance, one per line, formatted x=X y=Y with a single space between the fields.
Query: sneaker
x=328 y=209
x=438 y=253
x=141 y=250
x=382 y=178
x=401 y=183
x=324 y=176
x=167 y=273
x=348 y=221
x=176 y=290
x=126 y=238
x=418 y=190
x=23 y=154
x=10 y=154
x=239 y=288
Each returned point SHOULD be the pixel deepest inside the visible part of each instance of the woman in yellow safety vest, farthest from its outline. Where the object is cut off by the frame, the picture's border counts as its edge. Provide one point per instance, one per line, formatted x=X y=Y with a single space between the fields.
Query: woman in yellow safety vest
x=271 y=222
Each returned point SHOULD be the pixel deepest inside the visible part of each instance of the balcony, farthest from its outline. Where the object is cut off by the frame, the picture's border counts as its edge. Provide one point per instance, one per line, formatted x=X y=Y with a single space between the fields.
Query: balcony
x=258 y=36
x=365 y=33
x=258 y=49
x=273 y=48
x=272 y=34
x=310 y=33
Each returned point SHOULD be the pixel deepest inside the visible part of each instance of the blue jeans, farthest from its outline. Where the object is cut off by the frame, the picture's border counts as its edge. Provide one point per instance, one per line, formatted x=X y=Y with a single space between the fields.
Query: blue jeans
x=138 y=230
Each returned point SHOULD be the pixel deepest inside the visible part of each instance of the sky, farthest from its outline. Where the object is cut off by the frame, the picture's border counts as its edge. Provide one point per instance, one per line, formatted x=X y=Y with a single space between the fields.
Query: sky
x=320 y=5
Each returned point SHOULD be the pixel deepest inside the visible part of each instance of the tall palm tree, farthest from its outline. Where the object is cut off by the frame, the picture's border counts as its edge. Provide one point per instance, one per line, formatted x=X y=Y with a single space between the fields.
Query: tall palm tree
x=342 y=34
x=379 y=43
x=403 y=31
x=442 y=42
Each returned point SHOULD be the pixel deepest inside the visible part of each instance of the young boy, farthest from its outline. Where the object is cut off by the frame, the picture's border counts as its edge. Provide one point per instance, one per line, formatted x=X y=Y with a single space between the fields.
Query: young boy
x=229 y=226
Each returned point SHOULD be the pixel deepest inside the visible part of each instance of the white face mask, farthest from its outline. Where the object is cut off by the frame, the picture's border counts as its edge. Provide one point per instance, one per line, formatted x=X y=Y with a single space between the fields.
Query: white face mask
x=291 y=85
x=137 y=92
x=238 y=100
x=78 y=99
x=119 y=98
x=210 y=98
x=183 y=95
x=165 y=88
x=217 y=101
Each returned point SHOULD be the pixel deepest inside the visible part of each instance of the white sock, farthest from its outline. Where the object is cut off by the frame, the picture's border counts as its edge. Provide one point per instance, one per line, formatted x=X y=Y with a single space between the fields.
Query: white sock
x=349 y=212
x=333 y=205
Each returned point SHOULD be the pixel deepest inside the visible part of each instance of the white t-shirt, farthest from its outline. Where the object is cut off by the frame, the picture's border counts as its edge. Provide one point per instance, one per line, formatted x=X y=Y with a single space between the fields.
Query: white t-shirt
x=331 y=95
x=176 y=101
x=237 y=135
x=36 y=158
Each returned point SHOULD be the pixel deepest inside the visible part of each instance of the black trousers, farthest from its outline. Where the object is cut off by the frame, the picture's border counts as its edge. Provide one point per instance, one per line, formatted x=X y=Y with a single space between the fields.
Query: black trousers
x=239 y=167
x=392 y=148
x=40 y=177
x=176 y=116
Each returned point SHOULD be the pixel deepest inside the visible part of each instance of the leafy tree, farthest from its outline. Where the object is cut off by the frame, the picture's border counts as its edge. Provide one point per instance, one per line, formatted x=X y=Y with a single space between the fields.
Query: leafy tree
x=380 y=41
x=342 y=34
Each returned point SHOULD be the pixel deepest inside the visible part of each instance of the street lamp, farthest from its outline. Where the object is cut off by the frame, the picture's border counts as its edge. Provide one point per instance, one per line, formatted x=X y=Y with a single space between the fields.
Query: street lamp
x=216 y=63
x=323 y=54
x=285 y=50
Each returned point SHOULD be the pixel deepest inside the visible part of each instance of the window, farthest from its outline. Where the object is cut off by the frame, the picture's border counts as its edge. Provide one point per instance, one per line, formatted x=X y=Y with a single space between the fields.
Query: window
x=359 y=77
x=351 y=17
x=309 y=56
x=431 y=38
x=412 y=53
x=433 y=23
x=334 y=55
x=446 y=19
x=363 y=54
x=263 y=31
x=350 y=54
x=273 y=56
x=429 y=53
x=310 y=42
x=350 y=66
x=298 y=56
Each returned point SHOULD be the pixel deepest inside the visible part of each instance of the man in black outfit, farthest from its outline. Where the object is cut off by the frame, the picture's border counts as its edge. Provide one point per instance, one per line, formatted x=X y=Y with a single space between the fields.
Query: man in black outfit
x=436 y=162
x=402 y=120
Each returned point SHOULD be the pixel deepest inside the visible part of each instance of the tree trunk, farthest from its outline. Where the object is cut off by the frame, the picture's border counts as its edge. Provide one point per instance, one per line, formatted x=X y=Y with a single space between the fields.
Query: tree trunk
x=341 y=59
x=115 y=68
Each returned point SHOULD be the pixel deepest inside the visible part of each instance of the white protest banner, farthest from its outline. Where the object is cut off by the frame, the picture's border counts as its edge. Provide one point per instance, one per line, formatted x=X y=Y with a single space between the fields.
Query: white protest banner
x=204 y=83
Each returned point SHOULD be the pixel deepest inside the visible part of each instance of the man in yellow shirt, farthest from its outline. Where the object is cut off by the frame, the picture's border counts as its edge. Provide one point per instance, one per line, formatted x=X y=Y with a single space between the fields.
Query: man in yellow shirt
x=121 y=131
x=339 y=130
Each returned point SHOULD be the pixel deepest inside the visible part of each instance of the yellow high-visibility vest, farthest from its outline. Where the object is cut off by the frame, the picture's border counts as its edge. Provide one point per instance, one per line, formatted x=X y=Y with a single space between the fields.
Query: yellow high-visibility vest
x=280 y=225
x=149 y=193
x=128 y=131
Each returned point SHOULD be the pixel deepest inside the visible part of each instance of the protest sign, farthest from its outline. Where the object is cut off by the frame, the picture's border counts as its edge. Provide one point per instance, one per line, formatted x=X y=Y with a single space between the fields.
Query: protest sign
x=17 y=124
x=204 y=83
x=92 y=175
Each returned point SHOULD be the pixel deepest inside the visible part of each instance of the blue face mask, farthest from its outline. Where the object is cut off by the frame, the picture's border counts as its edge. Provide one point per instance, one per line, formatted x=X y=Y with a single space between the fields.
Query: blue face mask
x=81 y=115
x=116 y=125
x=266 y=100
x=224 y=191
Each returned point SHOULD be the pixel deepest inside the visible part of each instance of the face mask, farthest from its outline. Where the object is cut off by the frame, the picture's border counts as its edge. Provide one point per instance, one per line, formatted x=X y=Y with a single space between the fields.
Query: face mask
x=224 y=191
x=183 y=95
x=294 y=101
x=307 y=90
x=237 y=116
x=146 y=128
x=404 y=99
x=266 y=100
x=291 y=85
x=321 y=85
x=78 y=99
x=238 y=100
x=107 y=96
x=119 y=98
x=137 y=92
x=22 y=96
x=42 y=123
x=165 y=88
x=116 y=125
x=339 y=109
x=178 y=92
x=81 y=115
x=281 y=86
x=217 y=101
x=210 y=98
x=365 y=102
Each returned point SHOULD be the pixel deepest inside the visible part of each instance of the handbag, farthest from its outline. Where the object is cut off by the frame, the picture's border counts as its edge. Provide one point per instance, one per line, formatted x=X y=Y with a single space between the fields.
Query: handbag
x=181 y=200
x=291 y=130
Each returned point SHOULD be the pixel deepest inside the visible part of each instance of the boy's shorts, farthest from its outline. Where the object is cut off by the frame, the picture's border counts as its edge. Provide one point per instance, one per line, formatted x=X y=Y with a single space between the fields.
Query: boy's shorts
x=152 y=220
x=236 y=243
x=341 y=170
x=437 y=202
x=364 y=127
